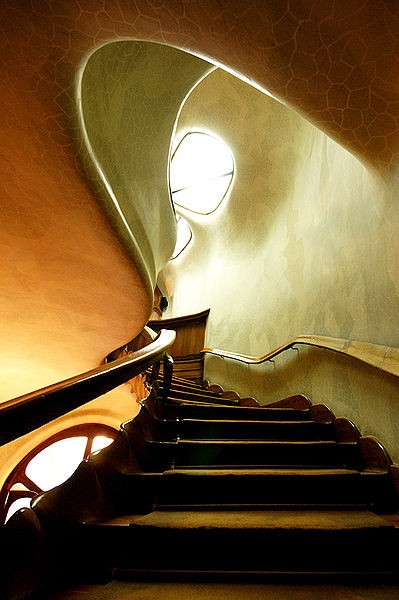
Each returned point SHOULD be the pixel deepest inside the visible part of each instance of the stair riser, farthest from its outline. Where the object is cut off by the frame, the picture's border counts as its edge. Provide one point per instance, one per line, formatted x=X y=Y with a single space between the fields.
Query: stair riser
x=142 y=493
x=271 y=454
x=198 y=396
x=162 y=456
x=275 y=490
x=149 y=549
x=299 y=431
x=196 y=411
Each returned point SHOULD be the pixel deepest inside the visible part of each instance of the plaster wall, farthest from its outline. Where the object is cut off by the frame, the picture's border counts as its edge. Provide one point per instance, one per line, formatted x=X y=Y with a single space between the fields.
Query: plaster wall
x=130 y=93
x=63 y=268
x=305 y=244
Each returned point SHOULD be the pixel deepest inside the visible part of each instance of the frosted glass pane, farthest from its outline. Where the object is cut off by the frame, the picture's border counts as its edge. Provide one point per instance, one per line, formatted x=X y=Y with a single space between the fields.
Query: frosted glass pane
x=203 y=198
x=199 y=157
x=201 y=171
x=100 y=441
x=19 y=487
x=16 y=505
x=57 y=462
x=184 y=235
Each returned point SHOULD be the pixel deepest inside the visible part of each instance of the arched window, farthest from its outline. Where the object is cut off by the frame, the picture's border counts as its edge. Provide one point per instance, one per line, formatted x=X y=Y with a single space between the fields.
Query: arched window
x=50 y=464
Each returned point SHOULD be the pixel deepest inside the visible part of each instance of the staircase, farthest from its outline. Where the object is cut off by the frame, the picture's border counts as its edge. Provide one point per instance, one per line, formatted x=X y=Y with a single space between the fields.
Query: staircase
x=208 y=484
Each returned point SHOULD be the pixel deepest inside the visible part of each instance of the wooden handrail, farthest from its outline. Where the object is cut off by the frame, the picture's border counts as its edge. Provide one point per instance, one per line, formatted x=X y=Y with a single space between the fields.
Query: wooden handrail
x=30 y=411
x=385 y=358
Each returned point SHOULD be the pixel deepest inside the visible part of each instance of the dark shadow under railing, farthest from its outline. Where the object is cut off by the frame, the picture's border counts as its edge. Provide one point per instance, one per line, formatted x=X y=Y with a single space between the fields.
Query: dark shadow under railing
x=21 y=415
x=385 y=358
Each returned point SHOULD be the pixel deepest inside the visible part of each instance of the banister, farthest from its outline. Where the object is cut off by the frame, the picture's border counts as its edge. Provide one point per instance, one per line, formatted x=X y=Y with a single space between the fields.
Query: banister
x=144 y=338
x=29 y=411
x=385 y=358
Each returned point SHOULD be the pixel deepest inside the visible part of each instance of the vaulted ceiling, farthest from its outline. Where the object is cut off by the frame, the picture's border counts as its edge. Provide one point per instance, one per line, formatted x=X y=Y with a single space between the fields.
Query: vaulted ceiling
x=70 y=291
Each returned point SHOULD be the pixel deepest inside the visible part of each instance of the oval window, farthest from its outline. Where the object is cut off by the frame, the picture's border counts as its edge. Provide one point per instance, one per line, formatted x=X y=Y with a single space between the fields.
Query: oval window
x=201 y=172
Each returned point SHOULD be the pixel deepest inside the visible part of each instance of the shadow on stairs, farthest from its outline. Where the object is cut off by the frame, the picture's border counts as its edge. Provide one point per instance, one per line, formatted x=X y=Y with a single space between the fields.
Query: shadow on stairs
x=206 y=486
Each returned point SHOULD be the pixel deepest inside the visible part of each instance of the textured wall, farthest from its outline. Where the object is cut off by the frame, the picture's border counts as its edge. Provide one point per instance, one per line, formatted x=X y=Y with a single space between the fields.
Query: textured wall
x=334 y=62
x=131 y=93
x=304 y=244
x=69 y=291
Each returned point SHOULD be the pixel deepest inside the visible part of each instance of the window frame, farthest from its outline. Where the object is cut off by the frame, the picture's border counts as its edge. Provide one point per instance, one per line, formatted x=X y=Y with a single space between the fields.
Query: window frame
x=230 y=173
x=18 y=474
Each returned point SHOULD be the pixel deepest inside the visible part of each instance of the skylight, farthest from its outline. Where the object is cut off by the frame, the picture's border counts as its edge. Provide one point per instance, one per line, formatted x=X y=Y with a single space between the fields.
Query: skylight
x=201 y=172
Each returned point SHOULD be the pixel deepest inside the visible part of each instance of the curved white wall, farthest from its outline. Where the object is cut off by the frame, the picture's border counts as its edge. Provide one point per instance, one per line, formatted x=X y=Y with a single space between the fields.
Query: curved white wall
x=304 y=244
x=130 y=96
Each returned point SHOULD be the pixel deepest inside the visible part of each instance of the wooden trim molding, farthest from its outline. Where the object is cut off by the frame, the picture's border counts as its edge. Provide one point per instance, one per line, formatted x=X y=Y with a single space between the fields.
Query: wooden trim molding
x=187 y=348
x=190 y=332
x=174 y=322
x=385 y=358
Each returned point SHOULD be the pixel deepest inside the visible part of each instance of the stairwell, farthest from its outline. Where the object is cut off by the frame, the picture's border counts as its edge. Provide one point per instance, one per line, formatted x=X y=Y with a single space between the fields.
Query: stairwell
x=205 y=484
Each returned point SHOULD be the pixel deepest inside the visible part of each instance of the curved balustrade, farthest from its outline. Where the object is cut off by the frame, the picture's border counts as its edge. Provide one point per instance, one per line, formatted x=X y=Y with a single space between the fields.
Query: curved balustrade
x=385 y=358
x=25 y=413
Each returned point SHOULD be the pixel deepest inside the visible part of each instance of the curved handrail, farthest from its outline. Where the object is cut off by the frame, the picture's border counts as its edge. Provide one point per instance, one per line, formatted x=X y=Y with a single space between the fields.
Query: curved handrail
x=145 y=337
x=385 y=358
x=25 y=413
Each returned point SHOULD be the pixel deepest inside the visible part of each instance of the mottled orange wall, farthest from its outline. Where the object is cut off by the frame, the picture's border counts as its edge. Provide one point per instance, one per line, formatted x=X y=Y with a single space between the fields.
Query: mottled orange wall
x=69 y=293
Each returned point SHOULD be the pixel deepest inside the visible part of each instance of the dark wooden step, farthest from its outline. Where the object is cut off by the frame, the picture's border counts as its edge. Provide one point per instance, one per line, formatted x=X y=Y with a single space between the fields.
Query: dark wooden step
x=186 y=409
x=204 y=396
x=243 y=541
x=193 y=388
x=203 y=385
x=283 y=487
x=257 y=487
x=248 y=429
x=251 y=453
x=185 y=391
x=159 y=456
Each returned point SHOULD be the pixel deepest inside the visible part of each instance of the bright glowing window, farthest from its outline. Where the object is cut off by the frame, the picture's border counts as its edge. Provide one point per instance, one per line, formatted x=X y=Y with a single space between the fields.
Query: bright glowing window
x=184 y=235
x=201 y=172
x=50 y=464
x=57 y=462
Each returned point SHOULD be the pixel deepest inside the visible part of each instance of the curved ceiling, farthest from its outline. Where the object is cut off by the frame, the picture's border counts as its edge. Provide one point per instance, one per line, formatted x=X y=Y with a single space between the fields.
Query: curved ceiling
x=130 y=95
x=336 y=62
x=70 y=292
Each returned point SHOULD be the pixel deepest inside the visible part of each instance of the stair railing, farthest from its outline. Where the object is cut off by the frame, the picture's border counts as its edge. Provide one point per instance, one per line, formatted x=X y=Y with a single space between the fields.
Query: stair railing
x=30 y=411
x=385 y=358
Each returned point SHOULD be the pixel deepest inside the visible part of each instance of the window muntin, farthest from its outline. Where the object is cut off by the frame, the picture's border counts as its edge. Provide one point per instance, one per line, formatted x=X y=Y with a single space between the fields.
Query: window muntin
x=51 y=463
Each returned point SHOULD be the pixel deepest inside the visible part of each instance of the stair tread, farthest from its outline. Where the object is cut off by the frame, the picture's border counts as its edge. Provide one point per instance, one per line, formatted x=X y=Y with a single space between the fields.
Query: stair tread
x=235 y=405
x=267 y=472
x=214 y=410
x=332 y=520
x=250 y=442
x=252 y=421
x=204 y=399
